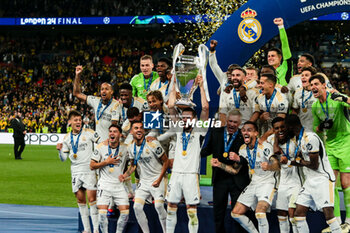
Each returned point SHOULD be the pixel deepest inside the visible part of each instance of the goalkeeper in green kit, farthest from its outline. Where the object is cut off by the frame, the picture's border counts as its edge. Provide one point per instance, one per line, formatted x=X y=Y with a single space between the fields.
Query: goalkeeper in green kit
x=329 y=113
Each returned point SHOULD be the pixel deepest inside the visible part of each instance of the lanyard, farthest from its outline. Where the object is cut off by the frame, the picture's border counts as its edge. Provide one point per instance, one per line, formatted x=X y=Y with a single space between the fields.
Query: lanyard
x=123 y=110
x=299 y=142
x=185 y=140
x=237 y=99
x=140 y=151
x=304 y=101
x=160 y=83
x=115 y=153
x=287 y=150
x=76 y=145
x=228 y=144
x=326 y=112
x=269 y=103
x=149 y=82
x=98 y=115
x=250 y=159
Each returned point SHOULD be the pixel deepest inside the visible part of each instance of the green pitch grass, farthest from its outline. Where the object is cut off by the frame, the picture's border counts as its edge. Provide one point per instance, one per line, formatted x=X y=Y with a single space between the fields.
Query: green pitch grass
x=39 y=179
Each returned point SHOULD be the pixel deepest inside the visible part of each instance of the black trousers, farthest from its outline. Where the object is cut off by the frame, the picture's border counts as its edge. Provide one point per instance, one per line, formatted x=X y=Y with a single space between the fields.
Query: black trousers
x=19 y=147
x=221 y=190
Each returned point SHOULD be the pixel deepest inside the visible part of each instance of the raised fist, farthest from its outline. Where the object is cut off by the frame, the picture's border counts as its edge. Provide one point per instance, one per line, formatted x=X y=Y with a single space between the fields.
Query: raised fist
x=59 y=146
x=278 y=21
x=78 y=70
x=213 y=44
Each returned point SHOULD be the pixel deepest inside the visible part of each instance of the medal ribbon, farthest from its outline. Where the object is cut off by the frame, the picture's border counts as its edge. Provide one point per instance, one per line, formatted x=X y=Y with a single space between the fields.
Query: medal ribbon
x=250 y=159
x=269 y=103
x=115 y=153
x=76 y=145
x=326 y=112
x=98 y=115
x=160 y=83
x=149 y=82
x=299 y=142
x=228 y=145
x=185 y=140
x=287 y=150
x=123 y=110
x=303 y=102
x=140 y=151
x=237 y=99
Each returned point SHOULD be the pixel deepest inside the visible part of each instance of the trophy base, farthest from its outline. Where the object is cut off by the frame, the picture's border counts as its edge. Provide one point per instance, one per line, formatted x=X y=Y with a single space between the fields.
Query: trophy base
x=185 y=103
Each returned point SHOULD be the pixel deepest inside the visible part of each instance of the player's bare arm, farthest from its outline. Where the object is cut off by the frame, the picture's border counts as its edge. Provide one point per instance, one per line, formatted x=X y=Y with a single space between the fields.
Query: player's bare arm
x=76 y=85
x=205 y=105
x=232 y=169
x=164 y=159
x=128 y=172
x=272 y=165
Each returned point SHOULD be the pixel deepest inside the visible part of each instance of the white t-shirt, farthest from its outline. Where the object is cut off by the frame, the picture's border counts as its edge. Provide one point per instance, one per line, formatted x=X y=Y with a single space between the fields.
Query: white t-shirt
x=149 y=165
x=110 y=180
x=311 y=143
x=103 y=123
x=121 y=111
x=80 y=164
x=190 y=162
x=263 y=153
x=306 y=118
x=164 y=88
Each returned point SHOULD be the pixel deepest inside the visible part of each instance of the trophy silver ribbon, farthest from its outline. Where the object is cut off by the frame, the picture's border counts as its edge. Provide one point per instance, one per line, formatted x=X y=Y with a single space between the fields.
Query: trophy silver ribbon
x=186 y=69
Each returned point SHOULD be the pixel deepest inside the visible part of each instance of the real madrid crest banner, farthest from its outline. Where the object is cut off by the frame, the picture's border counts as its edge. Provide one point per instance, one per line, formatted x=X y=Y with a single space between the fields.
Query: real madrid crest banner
x=249 y=30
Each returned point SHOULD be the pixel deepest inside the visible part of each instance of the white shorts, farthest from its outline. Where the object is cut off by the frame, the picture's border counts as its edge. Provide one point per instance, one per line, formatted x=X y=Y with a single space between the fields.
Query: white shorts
x=252 y=194
x=84 y=180
x=317 y=193
x=286 y=197
x=145 y=190
x=184 y=185
x=118 y=197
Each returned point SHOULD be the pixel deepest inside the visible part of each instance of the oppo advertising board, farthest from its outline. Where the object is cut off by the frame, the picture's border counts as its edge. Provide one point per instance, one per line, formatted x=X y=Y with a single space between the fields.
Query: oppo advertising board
x=34 y=138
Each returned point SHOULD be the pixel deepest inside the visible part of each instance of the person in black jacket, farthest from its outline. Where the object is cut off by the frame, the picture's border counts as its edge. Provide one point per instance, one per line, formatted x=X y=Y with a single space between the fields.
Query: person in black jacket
x=19 y=132
x=222 y=141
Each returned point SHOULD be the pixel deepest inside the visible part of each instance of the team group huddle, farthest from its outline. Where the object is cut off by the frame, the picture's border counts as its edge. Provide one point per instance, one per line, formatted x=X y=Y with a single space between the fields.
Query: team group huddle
x=291 y=137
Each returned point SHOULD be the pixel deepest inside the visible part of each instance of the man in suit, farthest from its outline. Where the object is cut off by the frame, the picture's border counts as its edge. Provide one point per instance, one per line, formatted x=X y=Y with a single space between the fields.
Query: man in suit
x=19 y=132
x=225 y=180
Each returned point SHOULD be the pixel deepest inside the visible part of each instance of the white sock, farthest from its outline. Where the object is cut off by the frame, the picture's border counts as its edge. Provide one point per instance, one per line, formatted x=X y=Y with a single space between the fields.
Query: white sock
x=245 y=222
x=302 y=224
x=84 y=213
x=334 y=225
x=103 y=221
x=159 y=205
x=192 y=220
x=284 y=224
x=171 y=220
x=263 y=223
x=140 y=215
x=122 y=221
x=294 y=225
x=94 y=215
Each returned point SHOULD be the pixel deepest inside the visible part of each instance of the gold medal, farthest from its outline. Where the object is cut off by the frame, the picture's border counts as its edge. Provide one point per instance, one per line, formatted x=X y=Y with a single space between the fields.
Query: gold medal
x=184 y=152
x=304 y=109
x=96 y=122
x=144 y=91
x=75 y=156
x=111 y=169
x=225 y=154
x=252 y=171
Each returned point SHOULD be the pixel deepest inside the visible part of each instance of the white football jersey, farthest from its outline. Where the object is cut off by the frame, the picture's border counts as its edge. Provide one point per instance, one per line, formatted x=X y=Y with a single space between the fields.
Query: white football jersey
x=121 y=111
x=81 y=162
x=305 y=113
x=103 y=123
x=263 y=154
x=149 y=165
x=109 y=178
x=164 y=88
x=190 y=162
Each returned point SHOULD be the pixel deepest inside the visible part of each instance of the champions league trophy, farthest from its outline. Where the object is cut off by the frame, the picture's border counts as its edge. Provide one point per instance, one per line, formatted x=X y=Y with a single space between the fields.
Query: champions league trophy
x=186 y=68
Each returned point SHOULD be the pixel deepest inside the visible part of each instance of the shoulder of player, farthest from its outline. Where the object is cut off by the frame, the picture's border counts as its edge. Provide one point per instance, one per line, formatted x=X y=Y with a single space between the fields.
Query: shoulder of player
x=92 y=97
x=102 y=144
x=86 y=130
x=136 y=76
x=298 y=91
x=271 y=139
x=295 y=78
x=243 y=147
x=66 y=136
x=152 y=144
x=155 y=82
x=139 y=99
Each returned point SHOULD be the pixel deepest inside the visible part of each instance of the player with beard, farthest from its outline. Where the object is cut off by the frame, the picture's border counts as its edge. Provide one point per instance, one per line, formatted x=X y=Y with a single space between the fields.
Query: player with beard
x=127 y=101
x=260 y=191
x=111 y=157
x=133 y=114
x=290 y=178
x=104 y=107
x=151 y=162
x=269 y=104
x=303 y=99
x=77 y=146
x=234 y=100
x=317 y=191
x=184 y=181
x=141 y=82
x=162 y=83
x=330 y=119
